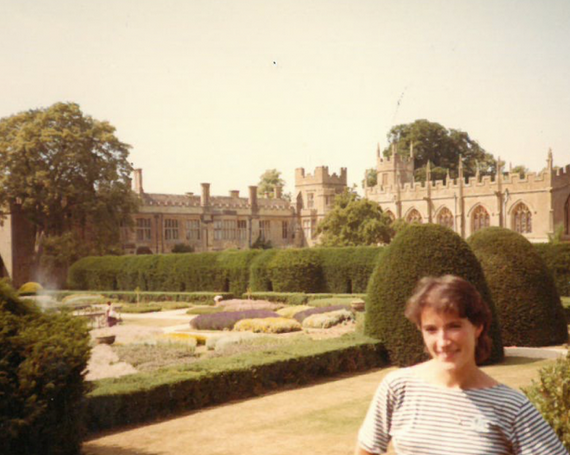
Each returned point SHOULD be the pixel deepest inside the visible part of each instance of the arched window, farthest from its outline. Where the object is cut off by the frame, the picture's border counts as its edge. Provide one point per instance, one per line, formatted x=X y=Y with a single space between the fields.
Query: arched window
x=522 y=219
x=390 y=215
x=414 y=217
x=445 y=218
x=481 y=218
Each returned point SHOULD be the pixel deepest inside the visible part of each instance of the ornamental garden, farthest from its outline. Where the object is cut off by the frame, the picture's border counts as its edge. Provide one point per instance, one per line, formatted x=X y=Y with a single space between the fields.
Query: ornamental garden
x=205 y=328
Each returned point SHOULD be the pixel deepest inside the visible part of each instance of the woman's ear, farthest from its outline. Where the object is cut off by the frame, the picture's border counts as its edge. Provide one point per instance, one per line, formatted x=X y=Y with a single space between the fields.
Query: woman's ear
x=478 y=330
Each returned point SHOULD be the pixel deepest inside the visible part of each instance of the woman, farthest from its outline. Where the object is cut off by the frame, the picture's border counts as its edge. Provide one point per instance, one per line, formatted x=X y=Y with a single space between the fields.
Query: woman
x=448 y=405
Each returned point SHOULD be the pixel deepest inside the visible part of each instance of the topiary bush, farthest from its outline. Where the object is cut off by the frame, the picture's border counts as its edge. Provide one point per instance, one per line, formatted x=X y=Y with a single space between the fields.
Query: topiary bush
x=557 y=258
x=551 y=396
x=42 y=362
x=268 y=325
x=291 y=311
x=417 y=251
x=226 y=320
x=30 y=288
x=522 y=287
x=302 y=315
x=326 y=320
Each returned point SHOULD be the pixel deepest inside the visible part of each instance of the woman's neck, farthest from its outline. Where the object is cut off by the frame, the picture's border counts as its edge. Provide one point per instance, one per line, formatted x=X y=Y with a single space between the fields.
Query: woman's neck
x=468 y=377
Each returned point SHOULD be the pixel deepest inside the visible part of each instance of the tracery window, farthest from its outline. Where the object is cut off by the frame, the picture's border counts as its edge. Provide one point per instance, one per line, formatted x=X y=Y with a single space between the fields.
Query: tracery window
x=414 y=217
x=481 y=218
x=522 y=219
x=390 y=215
x=445 y=218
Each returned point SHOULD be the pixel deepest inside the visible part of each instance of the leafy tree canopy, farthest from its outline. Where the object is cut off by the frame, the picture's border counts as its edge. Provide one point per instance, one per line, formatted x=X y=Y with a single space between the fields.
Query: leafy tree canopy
x=442 y=147
x=270 y=179
x=370 y=178
x=70 y=175
x=354 y=221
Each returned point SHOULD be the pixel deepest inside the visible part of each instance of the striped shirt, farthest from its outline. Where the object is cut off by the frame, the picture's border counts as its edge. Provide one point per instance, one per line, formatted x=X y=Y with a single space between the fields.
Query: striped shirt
x=425 y=419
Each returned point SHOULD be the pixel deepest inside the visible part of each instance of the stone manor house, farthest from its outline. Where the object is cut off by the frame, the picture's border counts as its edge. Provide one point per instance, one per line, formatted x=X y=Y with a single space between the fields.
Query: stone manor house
x=533 y=205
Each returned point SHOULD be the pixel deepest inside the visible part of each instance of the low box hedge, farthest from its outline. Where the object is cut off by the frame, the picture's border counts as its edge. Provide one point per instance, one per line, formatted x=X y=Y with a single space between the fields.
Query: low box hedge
x=298 y=298
x=147 y=296
x=143 y=397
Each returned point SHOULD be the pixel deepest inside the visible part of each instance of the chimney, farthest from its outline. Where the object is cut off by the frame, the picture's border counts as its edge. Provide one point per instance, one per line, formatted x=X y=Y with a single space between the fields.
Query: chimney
x=205 y=199
x=234 y=193
x=253 y=197
x=278 y=191
x=138 y=181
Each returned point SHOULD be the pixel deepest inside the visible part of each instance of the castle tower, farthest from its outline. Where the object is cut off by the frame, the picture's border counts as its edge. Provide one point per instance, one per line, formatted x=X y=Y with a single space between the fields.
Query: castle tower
x=387 y=168
x=314 y=194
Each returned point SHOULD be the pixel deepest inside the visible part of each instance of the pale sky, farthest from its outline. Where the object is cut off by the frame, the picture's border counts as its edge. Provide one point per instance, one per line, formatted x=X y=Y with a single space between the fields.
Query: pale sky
x=220 y=90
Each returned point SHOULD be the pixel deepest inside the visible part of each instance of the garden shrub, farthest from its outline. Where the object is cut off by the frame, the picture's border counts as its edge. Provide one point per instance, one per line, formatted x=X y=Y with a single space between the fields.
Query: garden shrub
x=30 y=288
x=83 y=299
x=417 y=251
x=326 y=309
x=347 y=270
x=551 y=396
x=43 y=359
x=522 y=287
x=291 y=311
x=331 y=301
x=557 y=258
x=226 y=320
x=241 y=305
x=326 y=320
x=183 y=339
x=267 y=325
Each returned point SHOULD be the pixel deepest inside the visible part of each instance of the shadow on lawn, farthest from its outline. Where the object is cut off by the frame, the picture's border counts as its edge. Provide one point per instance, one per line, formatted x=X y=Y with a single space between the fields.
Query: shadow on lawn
x=95 y=449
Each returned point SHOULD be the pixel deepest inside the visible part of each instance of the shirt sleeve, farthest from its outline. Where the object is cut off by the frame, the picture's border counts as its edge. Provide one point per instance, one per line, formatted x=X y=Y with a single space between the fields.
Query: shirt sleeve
x=533 y=435
x=374 y=434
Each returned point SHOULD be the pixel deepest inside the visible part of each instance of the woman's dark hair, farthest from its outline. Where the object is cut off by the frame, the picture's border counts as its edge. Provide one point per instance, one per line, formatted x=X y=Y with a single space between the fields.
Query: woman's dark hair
x=451 y=294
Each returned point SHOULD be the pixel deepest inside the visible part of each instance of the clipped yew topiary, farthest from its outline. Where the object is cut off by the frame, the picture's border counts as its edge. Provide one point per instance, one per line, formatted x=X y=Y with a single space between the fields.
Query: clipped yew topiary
x=419 y=250
x=557 y=259
x=522 y=287
x=42 y=363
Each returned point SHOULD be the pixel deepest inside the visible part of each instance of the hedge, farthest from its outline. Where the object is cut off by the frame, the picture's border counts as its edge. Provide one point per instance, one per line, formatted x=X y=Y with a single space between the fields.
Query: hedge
x=347 y=270
x=42 y=387
x=143 y=397
x=557 y=259
x=417 y=251
x=226 y=271
x=134 y=297
x=308 y=270
x=522 y=287
x=299 y=298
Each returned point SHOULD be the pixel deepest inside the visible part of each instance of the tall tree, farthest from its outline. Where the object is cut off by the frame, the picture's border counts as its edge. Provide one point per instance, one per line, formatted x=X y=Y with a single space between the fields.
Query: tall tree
x=442 y=147
x=354 y=221
x=268 y=181
x=70 y=176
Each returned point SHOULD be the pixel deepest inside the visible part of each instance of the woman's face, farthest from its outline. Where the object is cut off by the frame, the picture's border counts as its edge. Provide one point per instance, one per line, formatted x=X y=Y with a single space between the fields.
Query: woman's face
x=450 y=339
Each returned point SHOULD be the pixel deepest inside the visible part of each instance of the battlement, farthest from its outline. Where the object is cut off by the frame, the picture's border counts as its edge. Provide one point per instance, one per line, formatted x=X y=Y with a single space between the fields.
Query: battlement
x=321 y=176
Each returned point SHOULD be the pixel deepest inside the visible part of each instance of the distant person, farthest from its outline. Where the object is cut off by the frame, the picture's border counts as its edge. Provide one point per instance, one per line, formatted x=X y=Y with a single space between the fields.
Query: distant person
x=448 y=405
x=111 y=315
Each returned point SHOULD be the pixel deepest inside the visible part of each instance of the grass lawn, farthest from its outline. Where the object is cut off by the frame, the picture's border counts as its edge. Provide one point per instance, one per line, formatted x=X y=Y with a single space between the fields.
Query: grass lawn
x=318 y=419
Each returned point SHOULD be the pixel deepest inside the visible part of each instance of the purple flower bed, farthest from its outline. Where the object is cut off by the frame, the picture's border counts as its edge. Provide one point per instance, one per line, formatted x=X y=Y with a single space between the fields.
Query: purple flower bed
x=327 y=309
x=227 y=319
